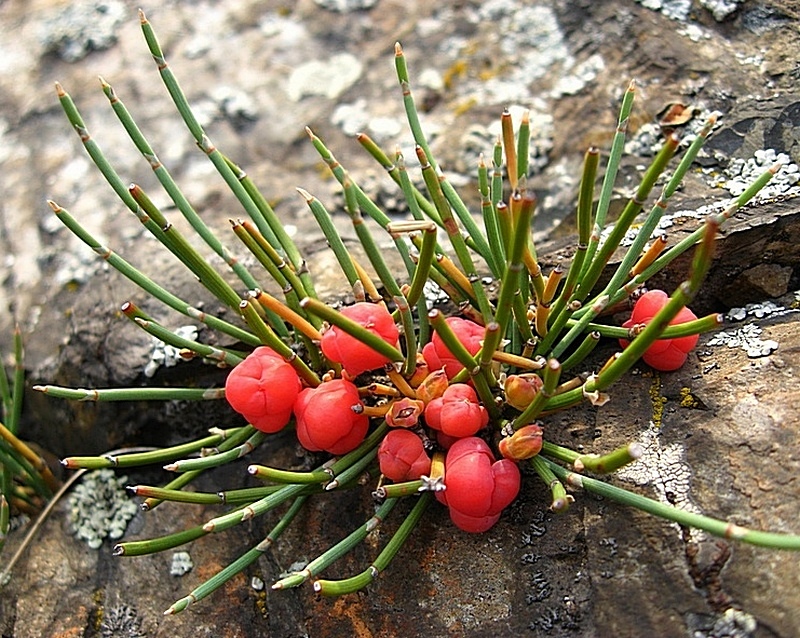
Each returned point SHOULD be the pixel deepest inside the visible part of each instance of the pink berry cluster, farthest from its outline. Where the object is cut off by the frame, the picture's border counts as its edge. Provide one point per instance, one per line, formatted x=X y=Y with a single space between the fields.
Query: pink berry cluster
x=333 y=418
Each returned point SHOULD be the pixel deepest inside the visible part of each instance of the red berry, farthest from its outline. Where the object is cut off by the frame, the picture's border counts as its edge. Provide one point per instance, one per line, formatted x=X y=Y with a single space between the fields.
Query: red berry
x=438 y=356
x=263 y=389
x=457 y=412
x=665 y=354
x=354 y=355
x=402 y=456
x=478 y=487
x=326 y=420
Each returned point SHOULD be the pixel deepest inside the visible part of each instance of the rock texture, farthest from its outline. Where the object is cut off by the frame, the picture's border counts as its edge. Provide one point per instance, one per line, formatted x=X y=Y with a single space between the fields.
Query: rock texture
x=724 y=430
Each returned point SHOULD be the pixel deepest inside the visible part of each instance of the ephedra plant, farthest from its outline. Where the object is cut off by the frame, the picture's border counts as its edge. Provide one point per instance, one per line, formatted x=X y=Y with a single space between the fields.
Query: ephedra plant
x=441 y=405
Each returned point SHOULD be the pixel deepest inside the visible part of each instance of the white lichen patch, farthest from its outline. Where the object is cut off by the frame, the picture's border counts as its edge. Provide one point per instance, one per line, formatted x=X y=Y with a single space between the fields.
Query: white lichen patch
x=673 y=9
x=733 y=623
x=743 y=172
x=738 y=176
x=181 y=564
x=747 y=338
x=665 y=470
x=99 y=508
x=329 y=78
x=758 y=310
x=166 y=355
x=649 y=137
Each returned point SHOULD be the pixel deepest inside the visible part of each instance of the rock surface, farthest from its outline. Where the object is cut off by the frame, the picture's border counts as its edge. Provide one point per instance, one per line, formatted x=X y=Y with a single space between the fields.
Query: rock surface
x=725 y=426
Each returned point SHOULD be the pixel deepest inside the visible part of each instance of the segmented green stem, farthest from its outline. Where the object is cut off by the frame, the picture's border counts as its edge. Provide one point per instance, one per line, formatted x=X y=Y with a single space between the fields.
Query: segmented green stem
x=340 y=549
x=147 y=284
x=610 y=177
x=370 y=339
x=722 y=529
x=215 y=460
x=215 y=582
x=159 y=456
x=350 y=585
x=217 y=158
x=560 y=499
x=172 y=189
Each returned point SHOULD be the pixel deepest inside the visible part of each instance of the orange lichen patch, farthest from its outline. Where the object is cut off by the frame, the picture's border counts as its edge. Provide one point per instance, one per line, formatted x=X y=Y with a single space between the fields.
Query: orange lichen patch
x=352 y=610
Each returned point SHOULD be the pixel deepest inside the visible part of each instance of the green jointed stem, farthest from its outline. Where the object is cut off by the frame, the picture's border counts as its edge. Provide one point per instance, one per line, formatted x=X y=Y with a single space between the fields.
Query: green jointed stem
x=723 y=529
x=523 y=142
x=178 y=496
x=623 y=223
x=478 y=241
x=364 y=202
x=610 y=462
x=644 y=233
x=172 y=189
x=693 y=327
x=285 y=476
x=159 y=456
x=257 y=508
x=215 y=460
x=216 y=157
x=582 y=351
x=558 y=452
x=417 y=202
x=325 y=223
x=5 y=519
x=155 y=545
x=340 y=549
x=354 y=471
x=398 y=490
x=510 y=283
x=149 y=286
x=584 y=215
x=284 y=240
x=686 y=243
x=489 y=214
x=560 y=499
x=287 y=274
x=610 y=177
x=350 y=585
x=454 y=233
x=94 y=151
x=216 y=581
x=167 y=336
x=132 y=394
x=207 y=275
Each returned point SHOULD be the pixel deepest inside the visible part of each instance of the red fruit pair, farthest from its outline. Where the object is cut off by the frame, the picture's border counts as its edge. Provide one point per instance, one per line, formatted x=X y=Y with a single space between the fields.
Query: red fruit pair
x=402 y=456
x=263 y=389
x=665 y=354
x=478 y=487
x=438 y=356
x=457 y=412
x=327 y=420
x=355 y=356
